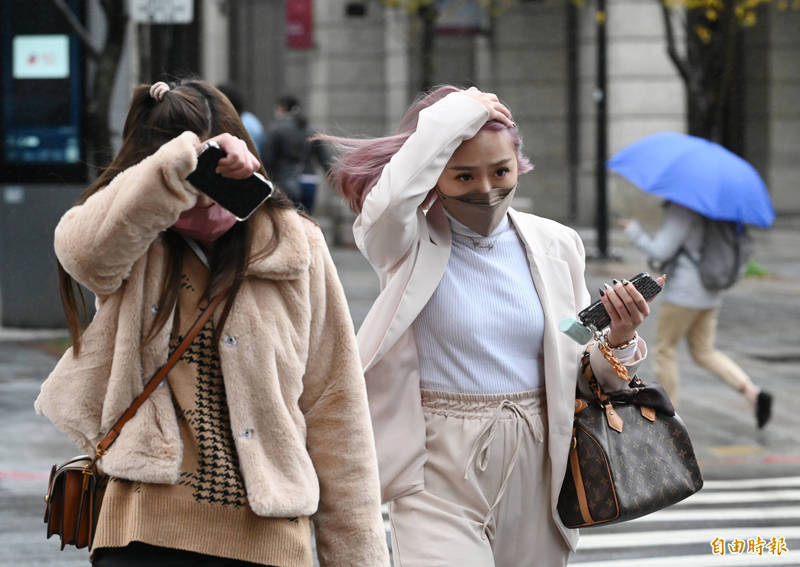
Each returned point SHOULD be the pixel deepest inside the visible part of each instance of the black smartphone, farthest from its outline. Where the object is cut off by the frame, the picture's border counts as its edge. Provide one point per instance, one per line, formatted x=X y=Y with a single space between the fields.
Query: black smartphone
x=596 y=316
x=240 y=196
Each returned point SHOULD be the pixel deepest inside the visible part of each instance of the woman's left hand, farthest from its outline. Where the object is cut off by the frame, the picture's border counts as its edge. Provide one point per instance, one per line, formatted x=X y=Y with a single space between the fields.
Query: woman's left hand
x=627 y=309
x=239 y=163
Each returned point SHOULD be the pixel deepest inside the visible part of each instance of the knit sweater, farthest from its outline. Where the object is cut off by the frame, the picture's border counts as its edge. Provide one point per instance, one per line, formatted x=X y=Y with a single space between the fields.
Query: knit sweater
x=207 y=510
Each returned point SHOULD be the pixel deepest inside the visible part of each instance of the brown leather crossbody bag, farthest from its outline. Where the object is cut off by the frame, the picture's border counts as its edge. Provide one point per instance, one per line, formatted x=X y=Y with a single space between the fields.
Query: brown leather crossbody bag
x=70 y=498
x=630 y=455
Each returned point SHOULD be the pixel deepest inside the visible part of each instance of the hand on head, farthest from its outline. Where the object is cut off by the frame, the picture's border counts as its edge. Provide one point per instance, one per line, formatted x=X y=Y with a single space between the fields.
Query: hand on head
x=239 y=163
x=627 y=309
x=497 y=110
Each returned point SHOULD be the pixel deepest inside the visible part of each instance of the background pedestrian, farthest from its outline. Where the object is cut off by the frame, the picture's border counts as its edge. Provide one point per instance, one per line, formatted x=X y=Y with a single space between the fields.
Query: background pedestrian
x=689 y=309
x=291 y=153
x=250 y=121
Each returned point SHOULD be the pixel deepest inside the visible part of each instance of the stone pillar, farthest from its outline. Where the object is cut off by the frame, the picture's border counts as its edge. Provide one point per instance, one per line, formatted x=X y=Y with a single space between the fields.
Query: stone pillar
x=782 y=93
x=215 y=36
x=258 y=51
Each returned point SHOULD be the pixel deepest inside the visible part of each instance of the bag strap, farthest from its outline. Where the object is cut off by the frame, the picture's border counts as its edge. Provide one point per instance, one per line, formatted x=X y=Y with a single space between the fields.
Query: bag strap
x=614 y=421
x=152 y=384
x=619 y=368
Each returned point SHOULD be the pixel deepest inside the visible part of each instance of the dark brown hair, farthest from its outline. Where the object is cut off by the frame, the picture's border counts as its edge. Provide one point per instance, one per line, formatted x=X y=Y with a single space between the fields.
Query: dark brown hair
x=192 y=105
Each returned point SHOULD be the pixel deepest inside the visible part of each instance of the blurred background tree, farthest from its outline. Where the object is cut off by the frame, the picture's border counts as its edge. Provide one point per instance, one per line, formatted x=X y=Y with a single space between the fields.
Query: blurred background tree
x=425 y=18
x=425 y=14
x=711 y=63
x=105 y=61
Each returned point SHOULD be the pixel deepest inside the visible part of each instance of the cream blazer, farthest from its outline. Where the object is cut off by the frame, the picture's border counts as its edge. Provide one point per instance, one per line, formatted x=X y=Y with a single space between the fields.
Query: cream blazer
x=409 y=248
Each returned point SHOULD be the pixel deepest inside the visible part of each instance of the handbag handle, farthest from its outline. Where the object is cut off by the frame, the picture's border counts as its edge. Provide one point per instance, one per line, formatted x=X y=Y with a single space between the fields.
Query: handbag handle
x=152 y=384
x=613 y=418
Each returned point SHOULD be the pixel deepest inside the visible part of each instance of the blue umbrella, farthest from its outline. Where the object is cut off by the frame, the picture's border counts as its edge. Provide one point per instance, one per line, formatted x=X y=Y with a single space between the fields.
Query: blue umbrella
x=698 y=174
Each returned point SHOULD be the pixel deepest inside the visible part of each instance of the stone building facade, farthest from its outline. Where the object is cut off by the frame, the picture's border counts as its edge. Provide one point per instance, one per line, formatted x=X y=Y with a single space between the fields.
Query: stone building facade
x=362 y=72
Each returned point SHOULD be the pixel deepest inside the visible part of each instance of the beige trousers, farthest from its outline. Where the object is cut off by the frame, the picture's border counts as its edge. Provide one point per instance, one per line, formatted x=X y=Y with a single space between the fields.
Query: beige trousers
x=700 y=328
x=486 y=501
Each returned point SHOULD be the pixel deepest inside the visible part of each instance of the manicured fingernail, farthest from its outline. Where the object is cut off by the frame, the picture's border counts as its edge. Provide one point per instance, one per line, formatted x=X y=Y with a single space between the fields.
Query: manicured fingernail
x=602 y=293
x=615 y=282
x=625 y=282
x=513 y=124
x=607 y=286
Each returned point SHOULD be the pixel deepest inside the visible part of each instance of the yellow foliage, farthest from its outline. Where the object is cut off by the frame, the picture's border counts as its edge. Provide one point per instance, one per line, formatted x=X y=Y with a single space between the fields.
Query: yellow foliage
x=600 y=17
x=745 y=10
x=703 y=33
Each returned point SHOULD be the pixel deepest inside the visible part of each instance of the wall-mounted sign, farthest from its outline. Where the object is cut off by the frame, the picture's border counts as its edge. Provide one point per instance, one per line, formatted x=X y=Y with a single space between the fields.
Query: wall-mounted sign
x=299 y=24
x=40 y=57
x=41 y=93
x=162 y=11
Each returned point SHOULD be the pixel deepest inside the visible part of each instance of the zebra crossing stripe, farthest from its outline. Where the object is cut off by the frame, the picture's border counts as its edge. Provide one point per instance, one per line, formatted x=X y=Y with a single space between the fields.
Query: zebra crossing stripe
x=680 y=537
x=777 y=482
x=722 y=514
x=708 y=560
x=742 y=496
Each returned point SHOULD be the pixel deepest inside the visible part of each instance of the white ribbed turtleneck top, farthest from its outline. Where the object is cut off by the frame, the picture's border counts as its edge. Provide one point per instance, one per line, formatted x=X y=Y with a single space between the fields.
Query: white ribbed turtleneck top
x=481 y=331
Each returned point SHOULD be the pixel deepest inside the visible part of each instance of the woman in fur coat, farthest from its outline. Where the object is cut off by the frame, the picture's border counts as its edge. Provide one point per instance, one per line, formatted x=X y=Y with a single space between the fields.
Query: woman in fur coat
x=262 y=428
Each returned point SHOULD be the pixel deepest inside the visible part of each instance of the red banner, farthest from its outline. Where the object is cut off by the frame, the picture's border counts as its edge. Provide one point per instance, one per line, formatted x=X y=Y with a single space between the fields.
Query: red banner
x=299 y=24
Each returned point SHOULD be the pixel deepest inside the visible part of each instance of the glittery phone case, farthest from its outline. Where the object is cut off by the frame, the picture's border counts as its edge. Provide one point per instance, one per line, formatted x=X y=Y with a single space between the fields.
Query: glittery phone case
x=595 y=315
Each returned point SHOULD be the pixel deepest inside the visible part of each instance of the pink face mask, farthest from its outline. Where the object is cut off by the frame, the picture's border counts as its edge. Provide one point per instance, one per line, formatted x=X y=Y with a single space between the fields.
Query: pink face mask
x=205 y=224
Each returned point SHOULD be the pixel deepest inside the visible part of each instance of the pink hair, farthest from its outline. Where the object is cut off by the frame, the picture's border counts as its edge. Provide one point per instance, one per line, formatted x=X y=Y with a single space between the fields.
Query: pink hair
x=361 y=160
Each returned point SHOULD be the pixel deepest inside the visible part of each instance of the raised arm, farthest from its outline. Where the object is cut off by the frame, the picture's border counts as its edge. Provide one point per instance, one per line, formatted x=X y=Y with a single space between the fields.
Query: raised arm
x=99 y=241
x=387 y=227
x=670 y=236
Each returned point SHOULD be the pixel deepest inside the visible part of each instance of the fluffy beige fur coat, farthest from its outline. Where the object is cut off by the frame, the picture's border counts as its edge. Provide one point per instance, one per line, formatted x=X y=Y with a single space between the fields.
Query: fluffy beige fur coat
x=293 y=379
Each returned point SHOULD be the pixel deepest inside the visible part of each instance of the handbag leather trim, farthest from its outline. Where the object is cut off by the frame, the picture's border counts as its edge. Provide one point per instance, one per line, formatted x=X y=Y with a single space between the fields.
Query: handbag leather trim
x=580 y=488
x=648 y=413
x=612 y=417
x=577 y=478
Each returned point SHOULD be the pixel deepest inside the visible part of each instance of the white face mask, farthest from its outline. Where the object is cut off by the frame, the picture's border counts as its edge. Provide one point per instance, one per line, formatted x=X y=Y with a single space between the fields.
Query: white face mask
x=479 y=210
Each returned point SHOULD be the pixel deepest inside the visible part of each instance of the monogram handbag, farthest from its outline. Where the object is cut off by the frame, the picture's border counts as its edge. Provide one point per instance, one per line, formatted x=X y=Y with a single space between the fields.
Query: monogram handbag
x=69 y=509
x=630 y=455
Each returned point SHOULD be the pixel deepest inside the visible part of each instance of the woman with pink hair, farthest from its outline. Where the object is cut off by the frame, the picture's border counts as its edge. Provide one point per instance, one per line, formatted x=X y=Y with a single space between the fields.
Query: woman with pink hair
x=471 y=386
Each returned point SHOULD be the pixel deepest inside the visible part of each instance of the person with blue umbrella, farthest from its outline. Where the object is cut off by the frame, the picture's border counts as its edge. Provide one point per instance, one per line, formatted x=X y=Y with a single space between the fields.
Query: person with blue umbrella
x=699 y=181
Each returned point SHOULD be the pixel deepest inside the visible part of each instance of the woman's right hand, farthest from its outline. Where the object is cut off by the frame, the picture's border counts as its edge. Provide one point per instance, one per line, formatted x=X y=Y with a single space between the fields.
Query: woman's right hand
x=239 y=163
x=497 y=110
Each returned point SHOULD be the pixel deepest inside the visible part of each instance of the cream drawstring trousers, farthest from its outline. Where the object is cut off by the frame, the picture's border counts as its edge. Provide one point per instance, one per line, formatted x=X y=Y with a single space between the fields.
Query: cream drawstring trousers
x=700 y=328
x=486 y=501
